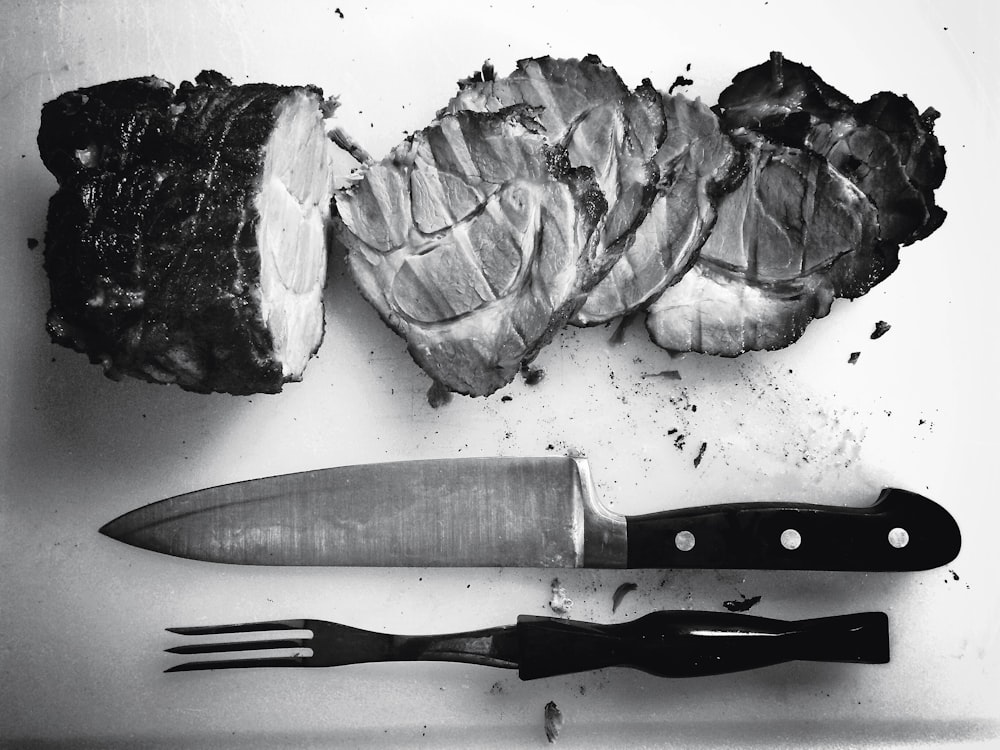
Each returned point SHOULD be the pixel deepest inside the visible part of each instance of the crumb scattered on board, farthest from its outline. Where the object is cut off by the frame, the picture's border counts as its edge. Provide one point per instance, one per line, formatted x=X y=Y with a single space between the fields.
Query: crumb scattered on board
x=679 y=81
x=553 y=721
x=742 y=604
x=532 y=375
x=665 y=374
x=881 y=328
x=438 y=395
x=853 y=359
x=620 y=593
x=701 y=453
x=559 y=603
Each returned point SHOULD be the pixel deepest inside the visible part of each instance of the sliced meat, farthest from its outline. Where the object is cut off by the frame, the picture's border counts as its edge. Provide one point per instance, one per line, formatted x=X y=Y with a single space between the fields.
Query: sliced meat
x=770 y=264
x=696 y=163
x=883 y=145
x=186 y=242
x=585 y=107
x=475 y=239
x=834 y=189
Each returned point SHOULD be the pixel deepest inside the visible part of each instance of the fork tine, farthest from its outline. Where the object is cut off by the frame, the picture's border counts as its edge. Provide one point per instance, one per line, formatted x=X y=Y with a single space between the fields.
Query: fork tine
x=244 y=627
x=277 y=661
x=211 y=648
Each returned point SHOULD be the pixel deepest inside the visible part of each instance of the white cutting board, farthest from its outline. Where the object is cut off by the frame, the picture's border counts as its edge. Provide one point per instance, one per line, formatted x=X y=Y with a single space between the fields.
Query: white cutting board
x=82 y=616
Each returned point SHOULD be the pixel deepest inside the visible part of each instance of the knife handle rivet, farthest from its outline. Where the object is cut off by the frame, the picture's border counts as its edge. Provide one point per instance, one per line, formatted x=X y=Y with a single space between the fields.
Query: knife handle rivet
x=684 y=541
x=791 y=539
x=899 y=538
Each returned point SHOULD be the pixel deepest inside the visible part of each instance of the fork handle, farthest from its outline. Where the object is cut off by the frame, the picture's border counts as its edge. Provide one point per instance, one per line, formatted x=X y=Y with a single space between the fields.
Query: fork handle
x=691 y=643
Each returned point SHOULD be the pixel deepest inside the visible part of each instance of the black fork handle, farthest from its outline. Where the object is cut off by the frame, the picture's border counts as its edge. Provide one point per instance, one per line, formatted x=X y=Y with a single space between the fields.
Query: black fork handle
x=692 y=643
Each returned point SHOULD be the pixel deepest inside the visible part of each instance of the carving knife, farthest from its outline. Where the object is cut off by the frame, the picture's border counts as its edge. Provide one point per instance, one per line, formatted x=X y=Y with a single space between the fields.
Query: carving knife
x=523 y=512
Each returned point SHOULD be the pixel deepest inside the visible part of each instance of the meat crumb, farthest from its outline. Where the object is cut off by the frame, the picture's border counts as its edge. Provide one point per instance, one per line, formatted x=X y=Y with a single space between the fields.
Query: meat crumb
x=741 y=605
x=881 y=328
x=553 y=721
x=620 y=593
x=532 y=375
x=679 y=81
x=438 y=395
x=701 y=452
x=665 y=374
x=559 y=603
x=853 y=359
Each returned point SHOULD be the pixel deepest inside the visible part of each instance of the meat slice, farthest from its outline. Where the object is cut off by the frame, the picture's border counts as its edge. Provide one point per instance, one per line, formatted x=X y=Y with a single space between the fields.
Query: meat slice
x=475 y=239
x=697 y=164
x=586 y=108
x=883 y=145
x=770 y=265
x=834 y=189
x=186 y=242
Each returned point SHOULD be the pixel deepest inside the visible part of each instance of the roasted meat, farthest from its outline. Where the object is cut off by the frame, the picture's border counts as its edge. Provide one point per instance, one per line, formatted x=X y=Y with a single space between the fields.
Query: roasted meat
x=584 y=107
x=697 y=164
x=833 y=190
x=187 y=241
x=766 y=269
x=658 y=160
x=475 y=239
x=883 y=145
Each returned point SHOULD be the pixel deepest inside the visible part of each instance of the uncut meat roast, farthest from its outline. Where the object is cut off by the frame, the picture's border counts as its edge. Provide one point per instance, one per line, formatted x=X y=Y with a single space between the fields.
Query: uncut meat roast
x=187 y=240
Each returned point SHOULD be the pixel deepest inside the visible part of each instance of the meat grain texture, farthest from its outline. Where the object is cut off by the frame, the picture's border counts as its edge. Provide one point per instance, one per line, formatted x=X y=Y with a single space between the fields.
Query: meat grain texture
x=834 y=189
x=730 y=228
x=476 y=240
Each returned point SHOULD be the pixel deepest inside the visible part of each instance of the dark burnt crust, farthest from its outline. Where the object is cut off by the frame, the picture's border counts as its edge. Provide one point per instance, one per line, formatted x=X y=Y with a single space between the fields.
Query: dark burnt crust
x=150 y=246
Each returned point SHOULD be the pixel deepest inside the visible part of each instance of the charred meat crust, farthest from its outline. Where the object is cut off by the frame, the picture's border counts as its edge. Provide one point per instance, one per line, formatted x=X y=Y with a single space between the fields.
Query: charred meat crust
x=150 y=248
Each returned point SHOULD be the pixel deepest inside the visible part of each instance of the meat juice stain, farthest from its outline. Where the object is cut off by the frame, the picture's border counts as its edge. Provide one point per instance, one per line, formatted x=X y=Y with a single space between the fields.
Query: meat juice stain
x=665 y=374
x=618 y=335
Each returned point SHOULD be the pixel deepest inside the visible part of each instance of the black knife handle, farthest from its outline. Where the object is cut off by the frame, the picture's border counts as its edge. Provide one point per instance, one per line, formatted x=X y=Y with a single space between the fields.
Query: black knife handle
x=691 y=643
x=901 y=531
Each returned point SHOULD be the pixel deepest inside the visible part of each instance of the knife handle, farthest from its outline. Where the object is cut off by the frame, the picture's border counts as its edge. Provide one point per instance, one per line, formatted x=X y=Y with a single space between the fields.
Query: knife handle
x=901 y=531
x=692 y=643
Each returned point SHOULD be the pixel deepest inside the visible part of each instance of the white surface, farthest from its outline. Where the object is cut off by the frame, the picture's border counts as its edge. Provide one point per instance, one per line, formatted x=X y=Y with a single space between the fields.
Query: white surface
x=82 y=616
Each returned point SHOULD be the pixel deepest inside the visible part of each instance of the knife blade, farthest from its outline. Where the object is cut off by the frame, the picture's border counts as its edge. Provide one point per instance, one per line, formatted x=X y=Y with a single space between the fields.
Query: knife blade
x=522 y=512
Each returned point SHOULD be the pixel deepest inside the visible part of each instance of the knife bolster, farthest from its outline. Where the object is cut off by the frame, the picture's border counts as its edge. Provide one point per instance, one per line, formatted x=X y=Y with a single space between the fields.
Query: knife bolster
x=605 y=532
